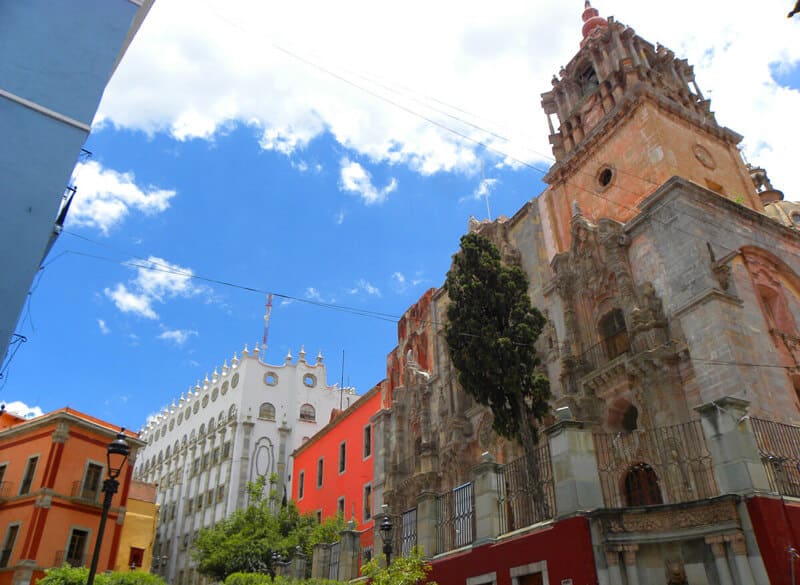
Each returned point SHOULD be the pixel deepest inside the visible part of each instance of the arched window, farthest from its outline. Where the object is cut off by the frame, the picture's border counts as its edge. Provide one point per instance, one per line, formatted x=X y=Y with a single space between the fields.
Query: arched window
x=588 y=81
x=630 y=418
x=266 y=411
x=614 y=333
x=641 y=486
x=308 y=413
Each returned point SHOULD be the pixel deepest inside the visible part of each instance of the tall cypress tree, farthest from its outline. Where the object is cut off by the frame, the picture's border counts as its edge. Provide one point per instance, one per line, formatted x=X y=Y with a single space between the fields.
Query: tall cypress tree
x=491 y=330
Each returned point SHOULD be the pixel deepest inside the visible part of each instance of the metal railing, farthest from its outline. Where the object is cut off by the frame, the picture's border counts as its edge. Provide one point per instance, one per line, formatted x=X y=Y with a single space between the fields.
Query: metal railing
x=73 y=561
x=779 y=447
x=408 y=531
x=665 y=465
x=83 y=492
x=6 y=489
x=526 y=498
x=603 y=352
x=333 y=569
x=455 y=518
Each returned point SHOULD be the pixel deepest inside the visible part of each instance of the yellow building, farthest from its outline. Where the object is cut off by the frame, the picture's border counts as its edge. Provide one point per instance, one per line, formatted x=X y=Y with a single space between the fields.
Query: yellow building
x=135 y=550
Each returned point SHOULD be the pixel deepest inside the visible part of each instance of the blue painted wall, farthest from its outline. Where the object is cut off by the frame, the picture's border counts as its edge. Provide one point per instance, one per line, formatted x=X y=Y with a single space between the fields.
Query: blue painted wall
x=58 y=54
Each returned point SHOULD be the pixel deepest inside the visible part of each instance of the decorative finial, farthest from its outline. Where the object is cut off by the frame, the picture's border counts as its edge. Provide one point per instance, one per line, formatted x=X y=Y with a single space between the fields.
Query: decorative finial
x=319 y=357
x=256 y=349
x=205 y=381
x=197 y=388
x=224 y=367
x=302 y=355
x=289 y=356
x=234 y=361
x=215 y=374
x=182 y=400
x=591 y=21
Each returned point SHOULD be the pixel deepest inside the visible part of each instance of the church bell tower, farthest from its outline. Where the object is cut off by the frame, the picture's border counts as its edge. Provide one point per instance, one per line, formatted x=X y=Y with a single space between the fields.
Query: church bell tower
x=624 y=117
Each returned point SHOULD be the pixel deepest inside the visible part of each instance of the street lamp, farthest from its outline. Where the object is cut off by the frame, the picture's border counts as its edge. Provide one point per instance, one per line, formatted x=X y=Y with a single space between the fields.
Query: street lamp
x=387 y=528
x=116 y=455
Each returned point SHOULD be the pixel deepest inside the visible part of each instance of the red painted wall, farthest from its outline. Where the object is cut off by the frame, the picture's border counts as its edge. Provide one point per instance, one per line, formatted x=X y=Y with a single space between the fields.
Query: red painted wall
x=566 y=546
x=776 y=524
x=347 y=428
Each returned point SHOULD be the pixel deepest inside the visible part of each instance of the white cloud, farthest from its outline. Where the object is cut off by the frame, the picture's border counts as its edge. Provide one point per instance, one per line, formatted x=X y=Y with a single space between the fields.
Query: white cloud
x=104 y=329
x=485 y=188
x=177 y=336
x=105 y=197
x=313 y=294
x=196 y=67
x=21 y=409
x=156 y=280
x=365 y=286
x=128 y=302
x=355 y=179
x=400 y=281
x=339 y=218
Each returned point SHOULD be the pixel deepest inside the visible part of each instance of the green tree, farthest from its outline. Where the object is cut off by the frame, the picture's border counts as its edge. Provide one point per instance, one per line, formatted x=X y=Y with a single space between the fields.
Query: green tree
x=67 y=575
x=410 y=570
x=246 y=541
x=491 y=331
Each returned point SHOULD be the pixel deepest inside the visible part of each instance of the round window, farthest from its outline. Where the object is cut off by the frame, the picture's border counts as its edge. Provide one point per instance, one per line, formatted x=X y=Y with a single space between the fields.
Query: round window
x=172 y=424
x=271 y=379
x=205 y=400
x=310 y=380
x=214 y=394
x=605 y=176
x=180 y=418
x=196 y=407
x=225 y=387
x=235 y=381
x=188 y=412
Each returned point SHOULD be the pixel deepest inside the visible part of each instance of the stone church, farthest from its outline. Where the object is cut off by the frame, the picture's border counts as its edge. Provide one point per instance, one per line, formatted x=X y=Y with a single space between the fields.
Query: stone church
x=668 y=270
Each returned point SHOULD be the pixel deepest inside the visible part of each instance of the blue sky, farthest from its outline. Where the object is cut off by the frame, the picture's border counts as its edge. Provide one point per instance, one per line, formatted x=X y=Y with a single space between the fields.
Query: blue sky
x=218 y=154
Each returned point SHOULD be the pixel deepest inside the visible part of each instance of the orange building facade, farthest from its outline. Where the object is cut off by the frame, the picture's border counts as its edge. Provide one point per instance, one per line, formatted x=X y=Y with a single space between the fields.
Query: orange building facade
x=333 y=470
x=51 y=475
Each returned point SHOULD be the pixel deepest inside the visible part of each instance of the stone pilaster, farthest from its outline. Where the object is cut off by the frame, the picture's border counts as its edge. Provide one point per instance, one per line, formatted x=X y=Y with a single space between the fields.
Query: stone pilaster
x=297 y=569
x=732 y=444
x=739 y=548
x=574 y=468
x=614 y=572
x=426 y=523
x=718 y=548
x=629 y=555
x=487 y=500
x=349 y=548
x=321 y=561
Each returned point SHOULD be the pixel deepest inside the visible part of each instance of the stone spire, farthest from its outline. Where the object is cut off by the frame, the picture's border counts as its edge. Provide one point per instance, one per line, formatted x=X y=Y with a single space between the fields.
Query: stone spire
x=591 y=21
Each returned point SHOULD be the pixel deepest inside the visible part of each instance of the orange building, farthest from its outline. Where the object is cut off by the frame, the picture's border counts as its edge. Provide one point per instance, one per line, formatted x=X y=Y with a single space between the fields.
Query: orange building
x=333 y=470
x=51 y=473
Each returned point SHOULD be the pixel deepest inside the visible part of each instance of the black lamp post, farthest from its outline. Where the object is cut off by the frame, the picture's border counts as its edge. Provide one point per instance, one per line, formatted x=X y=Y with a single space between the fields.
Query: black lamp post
x=116 y=455
x=387 y=528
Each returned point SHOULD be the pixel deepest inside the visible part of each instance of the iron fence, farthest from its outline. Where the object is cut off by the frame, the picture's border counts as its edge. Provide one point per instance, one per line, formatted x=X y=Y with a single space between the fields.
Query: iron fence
x=779 y=447
x=333 y=568
x=455 y=518
x=408 y=531
x=64 y=558
x=526 y=497
x=665 y=465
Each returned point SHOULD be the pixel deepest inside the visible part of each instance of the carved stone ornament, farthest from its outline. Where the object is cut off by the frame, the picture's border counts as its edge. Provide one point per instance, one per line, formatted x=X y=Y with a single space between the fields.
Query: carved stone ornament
x=674 y=519
x=702 y=154
x=676 y=574
x=497 y=232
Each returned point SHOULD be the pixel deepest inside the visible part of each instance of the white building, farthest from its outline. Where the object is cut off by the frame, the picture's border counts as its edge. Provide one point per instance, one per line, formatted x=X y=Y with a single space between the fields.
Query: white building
x=242 y=423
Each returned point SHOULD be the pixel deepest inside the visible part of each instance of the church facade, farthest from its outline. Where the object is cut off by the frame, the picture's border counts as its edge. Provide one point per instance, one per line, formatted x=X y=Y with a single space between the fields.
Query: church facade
x=667 y=270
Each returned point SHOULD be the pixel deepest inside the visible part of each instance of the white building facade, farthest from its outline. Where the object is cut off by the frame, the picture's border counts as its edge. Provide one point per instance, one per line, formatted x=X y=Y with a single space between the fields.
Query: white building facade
x=242 y=423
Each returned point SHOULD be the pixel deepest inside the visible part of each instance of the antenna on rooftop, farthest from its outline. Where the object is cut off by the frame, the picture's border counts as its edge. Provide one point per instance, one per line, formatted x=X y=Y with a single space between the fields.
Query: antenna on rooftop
x=341 y=385
x=267 y=313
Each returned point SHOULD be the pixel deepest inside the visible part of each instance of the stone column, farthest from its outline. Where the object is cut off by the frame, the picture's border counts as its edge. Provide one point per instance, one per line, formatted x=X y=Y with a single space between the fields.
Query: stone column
x=487 y=500
x=426 y=523
x=575 y=474
x=321 y=561
x=717 y=544
x=298 y=564
x=732 y=444
x=614 y=573
x=349 y=547
x=739 y=547
x=629 y=554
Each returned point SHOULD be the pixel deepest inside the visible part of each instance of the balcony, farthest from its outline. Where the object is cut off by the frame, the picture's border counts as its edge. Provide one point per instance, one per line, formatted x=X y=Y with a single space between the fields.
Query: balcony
x=779 y=447
x=64 y=558
x=85 y=493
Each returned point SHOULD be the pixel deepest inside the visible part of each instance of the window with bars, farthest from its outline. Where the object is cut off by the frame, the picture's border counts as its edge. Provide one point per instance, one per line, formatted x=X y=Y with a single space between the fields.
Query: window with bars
x=76 y=549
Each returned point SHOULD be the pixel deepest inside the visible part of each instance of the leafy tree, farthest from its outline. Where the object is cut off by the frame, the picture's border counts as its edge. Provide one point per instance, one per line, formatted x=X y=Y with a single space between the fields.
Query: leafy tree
x=263 y=579
x=246 y=540
x=328 y=531
x=491 y=331
x=410 y=570
x=67 y=575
